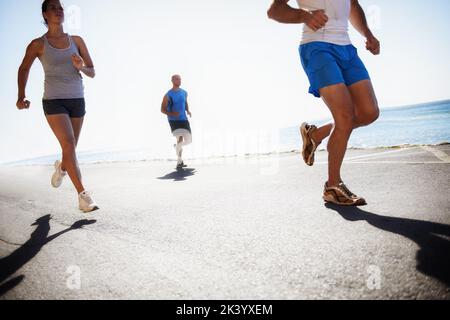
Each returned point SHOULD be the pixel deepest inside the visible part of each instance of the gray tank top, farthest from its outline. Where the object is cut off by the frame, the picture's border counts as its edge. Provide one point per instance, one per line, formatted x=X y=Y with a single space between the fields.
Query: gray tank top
x=62 y=79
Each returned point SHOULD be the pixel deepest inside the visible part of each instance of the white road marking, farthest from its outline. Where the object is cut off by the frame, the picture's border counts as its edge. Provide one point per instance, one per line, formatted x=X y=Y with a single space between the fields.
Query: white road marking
x=389 y=162
x=373 y=155
x=438 y=153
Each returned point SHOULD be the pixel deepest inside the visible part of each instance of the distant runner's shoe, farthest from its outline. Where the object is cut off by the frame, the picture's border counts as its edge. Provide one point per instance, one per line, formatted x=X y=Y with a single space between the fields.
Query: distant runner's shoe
x=58 y=175
x=181 y=165
x=342 y=196
x=309 y=145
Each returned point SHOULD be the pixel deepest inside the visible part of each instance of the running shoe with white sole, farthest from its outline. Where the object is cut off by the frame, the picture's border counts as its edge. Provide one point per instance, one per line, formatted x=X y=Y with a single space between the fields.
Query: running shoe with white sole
x=309 y=145
x=87 y=203
x=342 y=196
x=58 y=175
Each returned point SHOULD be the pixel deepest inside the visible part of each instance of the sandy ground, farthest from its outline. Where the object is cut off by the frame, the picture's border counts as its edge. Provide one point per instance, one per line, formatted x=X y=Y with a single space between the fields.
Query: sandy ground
x=236 y=228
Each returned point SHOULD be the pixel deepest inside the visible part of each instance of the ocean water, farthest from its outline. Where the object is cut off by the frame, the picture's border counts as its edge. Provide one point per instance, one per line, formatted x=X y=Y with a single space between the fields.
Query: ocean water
x=425 y=124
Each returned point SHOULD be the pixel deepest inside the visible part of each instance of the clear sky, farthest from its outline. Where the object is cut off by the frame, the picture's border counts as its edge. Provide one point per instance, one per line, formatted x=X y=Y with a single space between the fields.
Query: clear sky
x=242 y=70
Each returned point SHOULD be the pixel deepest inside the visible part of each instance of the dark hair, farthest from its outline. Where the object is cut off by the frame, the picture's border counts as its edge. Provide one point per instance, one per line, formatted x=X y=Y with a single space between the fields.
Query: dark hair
x=44 y=9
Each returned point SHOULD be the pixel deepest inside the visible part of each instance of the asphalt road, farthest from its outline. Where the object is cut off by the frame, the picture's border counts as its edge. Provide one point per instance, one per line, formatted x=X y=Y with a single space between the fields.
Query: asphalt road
x=237 y=228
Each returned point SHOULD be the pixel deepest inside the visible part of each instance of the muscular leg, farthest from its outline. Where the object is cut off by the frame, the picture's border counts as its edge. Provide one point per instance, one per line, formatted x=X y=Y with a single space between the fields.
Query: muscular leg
x=322 y=132
x=365 y=108
x=339 y=101
x=64 y=132
x=365 y=103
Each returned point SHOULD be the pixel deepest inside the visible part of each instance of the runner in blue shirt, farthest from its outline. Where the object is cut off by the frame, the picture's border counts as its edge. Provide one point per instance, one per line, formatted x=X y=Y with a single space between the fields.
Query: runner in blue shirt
x=176 y=107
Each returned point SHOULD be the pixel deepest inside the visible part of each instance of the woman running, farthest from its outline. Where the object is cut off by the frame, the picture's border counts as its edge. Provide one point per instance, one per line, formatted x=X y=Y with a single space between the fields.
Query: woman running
x=63 y=58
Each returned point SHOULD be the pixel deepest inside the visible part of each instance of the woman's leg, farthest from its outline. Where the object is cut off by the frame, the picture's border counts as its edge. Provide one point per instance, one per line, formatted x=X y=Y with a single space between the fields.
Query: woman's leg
x=63 y=129
x=339 y=101
x=77 y=125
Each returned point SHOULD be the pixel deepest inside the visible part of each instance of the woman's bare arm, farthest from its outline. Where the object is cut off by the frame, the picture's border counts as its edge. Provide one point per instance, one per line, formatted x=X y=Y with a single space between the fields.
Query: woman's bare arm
x=34 y=49
x=84 y=64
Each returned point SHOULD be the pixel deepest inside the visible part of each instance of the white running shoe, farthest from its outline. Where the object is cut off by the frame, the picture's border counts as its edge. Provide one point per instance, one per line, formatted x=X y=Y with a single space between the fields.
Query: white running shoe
x=58 y=175
x=87 y=204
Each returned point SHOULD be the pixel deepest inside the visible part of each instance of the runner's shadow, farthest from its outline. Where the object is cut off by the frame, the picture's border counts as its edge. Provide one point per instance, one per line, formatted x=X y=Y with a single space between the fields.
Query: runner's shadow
x=26 y=252
x=179 y=175
x=433 y=239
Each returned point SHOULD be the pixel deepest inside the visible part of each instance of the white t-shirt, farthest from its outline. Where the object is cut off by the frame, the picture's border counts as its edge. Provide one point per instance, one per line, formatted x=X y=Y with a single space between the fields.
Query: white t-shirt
x=336 y=29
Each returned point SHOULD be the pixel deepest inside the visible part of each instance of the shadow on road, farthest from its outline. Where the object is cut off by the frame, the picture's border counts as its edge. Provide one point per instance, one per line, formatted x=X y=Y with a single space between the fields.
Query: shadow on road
x=179 y=175
x=39 y=238
x=433 y=239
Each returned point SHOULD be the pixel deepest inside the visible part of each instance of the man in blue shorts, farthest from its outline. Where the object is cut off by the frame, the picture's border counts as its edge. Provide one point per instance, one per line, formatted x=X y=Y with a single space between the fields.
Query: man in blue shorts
x=338 y=76
x=175 y=106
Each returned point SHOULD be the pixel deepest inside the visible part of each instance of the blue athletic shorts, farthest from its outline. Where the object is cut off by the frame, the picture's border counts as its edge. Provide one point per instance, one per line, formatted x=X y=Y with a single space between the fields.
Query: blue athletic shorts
x=326 y=64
